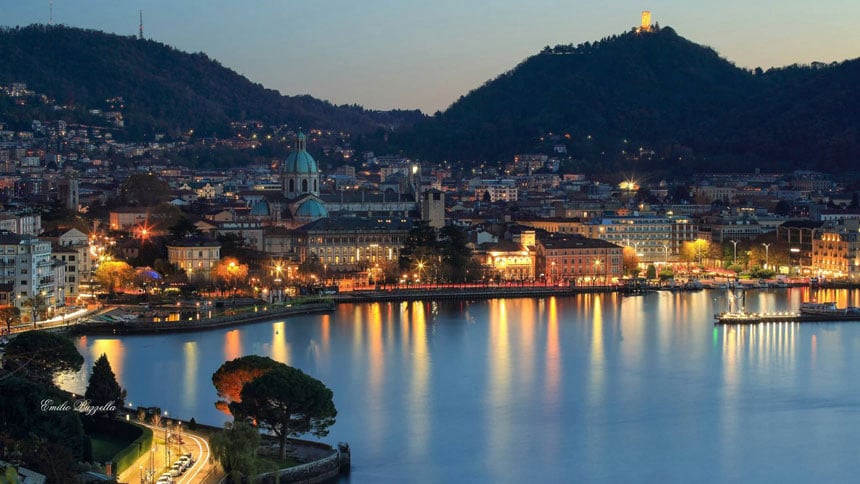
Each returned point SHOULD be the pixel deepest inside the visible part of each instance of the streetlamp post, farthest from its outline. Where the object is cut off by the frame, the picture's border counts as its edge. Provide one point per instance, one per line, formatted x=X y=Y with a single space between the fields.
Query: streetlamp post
x=166 y=441
x=735 y=253
x=766 y=254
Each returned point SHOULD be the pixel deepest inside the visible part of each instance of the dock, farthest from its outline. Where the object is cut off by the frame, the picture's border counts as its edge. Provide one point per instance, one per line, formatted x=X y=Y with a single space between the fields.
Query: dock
x=783 y=317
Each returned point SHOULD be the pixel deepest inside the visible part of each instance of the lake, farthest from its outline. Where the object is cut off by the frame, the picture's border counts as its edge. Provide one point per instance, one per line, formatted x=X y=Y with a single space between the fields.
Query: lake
x=592 y=388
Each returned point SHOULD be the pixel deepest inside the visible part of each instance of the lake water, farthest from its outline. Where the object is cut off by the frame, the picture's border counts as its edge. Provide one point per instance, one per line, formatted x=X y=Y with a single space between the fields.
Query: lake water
x=593 y=388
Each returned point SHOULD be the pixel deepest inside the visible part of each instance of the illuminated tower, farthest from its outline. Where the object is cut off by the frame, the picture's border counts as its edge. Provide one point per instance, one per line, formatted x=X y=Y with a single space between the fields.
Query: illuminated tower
x=646 y=20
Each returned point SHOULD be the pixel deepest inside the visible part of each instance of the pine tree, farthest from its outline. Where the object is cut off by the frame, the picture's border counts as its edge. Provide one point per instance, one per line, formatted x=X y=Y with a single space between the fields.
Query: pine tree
x=103 y=387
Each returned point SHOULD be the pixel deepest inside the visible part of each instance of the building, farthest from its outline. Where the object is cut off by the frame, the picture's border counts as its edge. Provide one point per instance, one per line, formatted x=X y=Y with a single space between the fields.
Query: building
x=799 y=236
x=23 y=224
x=352 y=243
x=300 y=185
x=27 y=262
x=577 y=260
x=655 y=238
x=509 y=261
x=834 y=251
x=126 y=219
x=433 y=208
x=195 y=256
x=68 y=193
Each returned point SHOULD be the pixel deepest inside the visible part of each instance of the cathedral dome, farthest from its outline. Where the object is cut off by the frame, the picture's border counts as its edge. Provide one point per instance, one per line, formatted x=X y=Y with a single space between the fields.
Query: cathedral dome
x=300 y=162
x=311 y=209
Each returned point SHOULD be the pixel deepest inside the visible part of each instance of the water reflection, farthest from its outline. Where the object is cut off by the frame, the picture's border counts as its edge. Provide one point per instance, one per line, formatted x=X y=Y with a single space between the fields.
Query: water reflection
x=419 y=396
x=232 y=345
x=115 y=351
x=189 y=382
x=588 y=388
x=498 y=391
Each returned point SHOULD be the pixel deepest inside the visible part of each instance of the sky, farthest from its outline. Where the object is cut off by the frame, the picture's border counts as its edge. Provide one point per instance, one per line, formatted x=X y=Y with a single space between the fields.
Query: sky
x=425 y=54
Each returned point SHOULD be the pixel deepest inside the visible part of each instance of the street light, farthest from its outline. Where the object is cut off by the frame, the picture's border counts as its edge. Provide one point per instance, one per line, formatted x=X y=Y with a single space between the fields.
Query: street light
x=597 y=269
x=735 y=258
x=766 y=253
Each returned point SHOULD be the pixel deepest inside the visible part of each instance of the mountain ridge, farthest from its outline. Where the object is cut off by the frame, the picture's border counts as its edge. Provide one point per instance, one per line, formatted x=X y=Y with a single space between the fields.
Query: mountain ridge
x=652 y=90
x=164 y=89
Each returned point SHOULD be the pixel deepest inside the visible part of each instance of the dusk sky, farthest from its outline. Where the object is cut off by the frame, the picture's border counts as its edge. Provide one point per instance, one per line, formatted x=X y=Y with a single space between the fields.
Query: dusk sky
x=386 y=54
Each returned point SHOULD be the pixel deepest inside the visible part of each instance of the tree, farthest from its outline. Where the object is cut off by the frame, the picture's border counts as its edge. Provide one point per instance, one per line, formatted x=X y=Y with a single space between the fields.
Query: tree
x=230 y=272
x=236 y=450
x=113 y=274
x=182 y=228
x=288 y=402
x=145 y=189
x=420 y=244
x=11 y=315
x=651 y=272
x=455 y=252
x=232 y=376
x=37 y=305
x=630 y=260
x=40 y=355
x=103 y=387
x=49 y=441
x=311 y=266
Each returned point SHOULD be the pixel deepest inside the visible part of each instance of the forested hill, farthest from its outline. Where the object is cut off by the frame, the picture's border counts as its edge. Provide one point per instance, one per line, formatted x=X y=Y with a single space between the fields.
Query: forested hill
x=605 y=101
x=164 y=90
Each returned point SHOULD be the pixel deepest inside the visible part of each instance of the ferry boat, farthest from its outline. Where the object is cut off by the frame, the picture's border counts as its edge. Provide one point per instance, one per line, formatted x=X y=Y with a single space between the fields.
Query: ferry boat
x=826 y=309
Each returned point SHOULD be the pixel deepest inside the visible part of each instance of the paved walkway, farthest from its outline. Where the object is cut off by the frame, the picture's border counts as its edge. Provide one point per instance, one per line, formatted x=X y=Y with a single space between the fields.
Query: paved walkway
x=55 y=322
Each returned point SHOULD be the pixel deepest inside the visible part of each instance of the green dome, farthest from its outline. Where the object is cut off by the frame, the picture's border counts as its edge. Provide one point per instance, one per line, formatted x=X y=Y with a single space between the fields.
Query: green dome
x=311 y=209
x=300 y=162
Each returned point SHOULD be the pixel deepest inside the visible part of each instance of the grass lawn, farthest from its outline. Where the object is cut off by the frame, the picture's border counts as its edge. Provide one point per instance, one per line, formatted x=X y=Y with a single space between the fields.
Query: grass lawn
x=105 y=446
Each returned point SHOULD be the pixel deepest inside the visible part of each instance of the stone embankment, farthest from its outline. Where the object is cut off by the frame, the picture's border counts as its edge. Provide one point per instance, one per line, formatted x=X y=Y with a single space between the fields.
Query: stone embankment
x=466 y=293
x=147 y=326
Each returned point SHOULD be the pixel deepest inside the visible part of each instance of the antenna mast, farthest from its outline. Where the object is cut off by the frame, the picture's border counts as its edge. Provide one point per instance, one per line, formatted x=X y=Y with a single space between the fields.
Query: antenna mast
x=51 y=14
x=140 y=32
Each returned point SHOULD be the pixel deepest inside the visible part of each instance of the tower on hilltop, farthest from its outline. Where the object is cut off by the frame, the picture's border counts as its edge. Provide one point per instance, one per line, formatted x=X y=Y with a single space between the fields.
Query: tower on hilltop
x=646 y=21
x=140 y=28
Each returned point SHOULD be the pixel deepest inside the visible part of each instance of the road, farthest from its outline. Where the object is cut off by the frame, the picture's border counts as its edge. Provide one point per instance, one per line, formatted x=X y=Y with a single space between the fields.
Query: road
x=158 y=460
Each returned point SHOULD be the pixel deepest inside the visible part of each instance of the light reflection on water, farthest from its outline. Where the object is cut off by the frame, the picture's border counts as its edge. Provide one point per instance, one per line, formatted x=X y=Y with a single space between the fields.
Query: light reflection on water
x=598 y=388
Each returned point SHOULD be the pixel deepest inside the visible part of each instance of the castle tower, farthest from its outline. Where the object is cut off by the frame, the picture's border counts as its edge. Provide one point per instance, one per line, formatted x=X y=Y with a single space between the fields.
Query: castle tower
x=646 y=20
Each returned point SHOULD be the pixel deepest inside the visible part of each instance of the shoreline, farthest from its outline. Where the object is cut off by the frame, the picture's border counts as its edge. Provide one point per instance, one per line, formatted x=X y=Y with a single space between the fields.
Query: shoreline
x=149 y=327
x=264 y=313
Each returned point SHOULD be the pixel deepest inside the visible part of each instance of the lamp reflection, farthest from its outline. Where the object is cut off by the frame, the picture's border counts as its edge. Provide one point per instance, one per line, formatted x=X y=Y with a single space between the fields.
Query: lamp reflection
x=232 y=345
x=419 y=394
x=553 y=356
x=280 y=349
x=189 y=384
x=498 y=418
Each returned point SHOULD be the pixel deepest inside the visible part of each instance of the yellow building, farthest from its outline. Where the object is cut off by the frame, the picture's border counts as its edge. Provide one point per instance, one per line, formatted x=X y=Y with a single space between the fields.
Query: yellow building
x=834 y=254
x=509 y=261
x=195 y=256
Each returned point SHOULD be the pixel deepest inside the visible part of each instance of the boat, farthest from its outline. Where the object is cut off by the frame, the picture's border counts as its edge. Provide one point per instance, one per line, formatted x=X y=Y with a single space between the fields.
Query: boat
x=694 y=285
x=826 y=309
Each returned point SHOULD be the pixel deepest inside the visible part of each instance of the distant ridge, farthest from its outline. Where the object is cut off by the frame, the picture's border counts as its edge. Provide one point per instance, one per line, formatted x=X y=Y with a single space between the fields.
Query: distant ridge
x=604 y=101
x=165 y=90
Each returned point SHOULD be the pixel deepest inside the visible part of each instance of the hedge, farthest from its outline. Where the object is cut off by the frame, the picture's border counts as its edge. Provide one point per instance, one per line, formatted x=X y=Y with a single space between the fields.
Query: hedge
x=128 y=456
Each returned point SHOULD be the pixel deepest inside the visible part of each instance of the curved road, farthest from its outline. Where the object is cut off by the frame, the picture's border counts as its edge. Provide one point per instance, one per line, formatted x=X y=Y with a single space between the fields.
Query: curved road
x=202 y=471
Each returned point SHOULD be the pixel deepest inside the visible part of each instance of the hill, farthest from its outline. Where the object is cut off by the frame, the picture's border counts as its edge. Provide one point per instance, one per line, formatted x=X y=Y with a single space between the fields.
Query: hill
x=163 y=89
x=611 y=103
